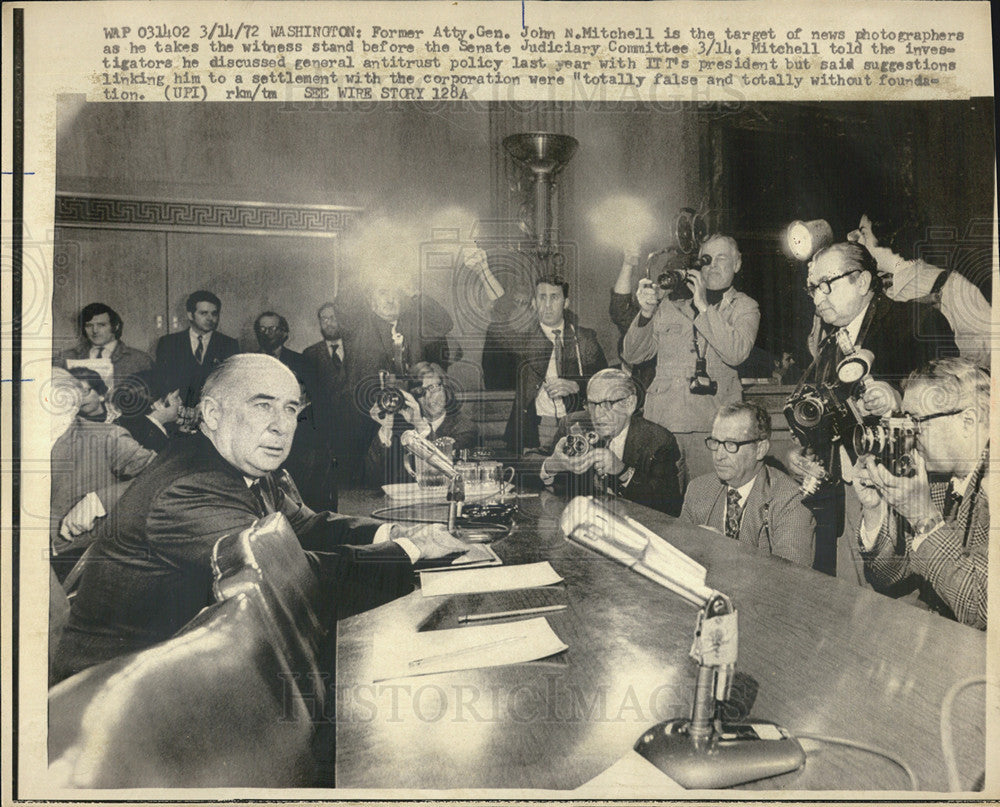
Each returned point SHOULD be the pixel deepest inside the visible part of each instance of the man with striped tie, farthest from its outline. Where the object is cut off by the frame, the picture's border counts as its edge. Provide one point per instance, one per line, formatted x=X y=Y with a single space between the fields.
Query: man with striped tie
x=746 y=499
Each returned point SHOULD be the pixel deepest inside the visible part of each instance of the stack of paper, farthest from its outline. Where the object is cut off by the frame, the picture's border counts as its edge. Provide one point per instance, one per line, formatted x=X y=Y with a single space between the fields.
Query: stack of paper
x=464 y=648
x=502 y=578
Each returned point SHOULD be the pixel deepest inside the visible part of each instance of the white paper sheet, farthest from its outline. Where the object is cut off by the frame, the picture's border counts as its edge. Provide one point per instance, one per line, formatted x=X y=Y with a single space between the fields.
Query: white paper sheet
x=633 y=774
x=464 y=648
x=498 y=578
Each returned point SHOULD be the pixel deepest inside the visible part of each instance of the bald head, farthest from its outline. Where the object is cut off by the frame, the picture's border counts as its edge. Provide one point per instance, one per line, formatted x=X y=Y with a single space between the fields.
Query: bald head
x=250 y=406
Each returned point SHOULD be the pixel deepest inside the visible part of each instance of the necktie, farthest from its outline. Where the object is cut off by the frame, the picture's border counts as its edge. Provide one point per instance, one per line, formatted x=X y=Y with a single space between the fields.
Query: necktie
x=199 y=352
x=557 y=347
x=734 y=513
x=100 y=353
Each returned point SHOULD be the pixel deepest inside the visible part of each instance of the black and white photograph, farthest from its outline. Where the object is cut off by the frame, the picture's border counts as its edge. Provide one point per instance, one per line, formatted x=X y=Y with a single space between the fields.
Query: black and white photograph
x=512 y=447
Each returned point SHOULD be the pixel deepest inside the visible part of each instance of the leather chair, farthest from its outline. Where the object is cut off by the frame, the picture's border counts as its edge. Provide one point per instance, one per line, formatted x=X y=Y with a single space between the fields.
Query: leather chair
x=230 y=700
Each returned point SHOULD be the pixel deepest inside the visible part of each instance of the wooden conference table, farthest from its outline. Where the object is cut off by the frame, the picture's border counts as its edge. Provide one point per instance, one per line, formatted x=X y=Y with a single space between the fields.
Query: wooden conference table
x=824 y=657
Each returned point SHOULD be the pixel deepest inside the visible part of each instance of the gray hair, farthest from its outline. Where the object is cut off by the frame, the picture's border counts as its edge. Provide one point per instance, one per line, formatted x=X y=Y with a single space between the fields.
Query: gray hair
x=618 y=377
x=954 y=382
x=759 y=416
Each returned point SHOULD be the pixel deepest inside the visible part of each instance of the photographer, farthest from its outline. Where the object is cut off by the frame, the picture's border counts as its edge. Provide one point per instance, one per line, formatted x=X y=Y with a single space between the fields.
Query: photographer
x=698 y=343
x=624 y=306
x=947 y=524
x=844 y=285
x=436 y=415
x=611 y=449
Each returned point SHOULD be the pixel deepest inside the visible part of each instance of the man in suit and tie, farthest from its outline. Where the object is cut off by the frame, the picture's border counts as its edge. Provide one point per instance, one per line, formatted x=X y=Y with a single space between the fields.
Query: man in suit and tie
x=324 y=362
x=152 y=575
x=844 y=285
x=437 y=414
x=272 y=331
x=185 y=359
x=555 y=360
x=631 y=457
x=101 y=338
x=946 y=522
x=746 y=499
x=331 y=399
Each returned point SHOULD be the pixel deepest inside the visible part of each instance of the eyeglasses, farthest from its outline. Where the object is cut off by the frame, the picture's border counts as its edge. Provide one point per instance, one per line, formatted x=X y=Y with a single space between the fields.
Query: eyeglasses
x=269 y=328
x=825 y=286
x=731 y=446
x=432 y=387
x=607 y=406
x=918 y=419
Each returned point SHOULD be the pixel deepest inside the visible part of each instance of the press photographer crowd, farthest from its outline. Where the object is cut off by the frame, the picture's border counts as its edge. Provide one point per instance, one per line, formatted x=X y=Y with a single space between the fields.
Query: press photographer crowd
x=156 y=457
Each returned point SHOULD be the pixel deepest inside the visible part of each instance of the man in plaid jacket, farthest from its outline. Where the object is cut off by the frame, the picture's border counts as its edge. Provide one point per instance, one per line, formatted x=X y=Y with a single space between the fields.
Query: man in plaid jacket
x=943 y=563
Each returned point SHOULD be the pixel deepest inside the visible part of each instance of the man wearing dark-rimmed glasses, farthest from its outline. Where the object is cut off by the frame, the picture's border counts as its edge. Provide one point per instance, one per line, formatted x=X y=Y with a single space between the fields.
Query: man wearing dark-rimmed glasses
x=610 y=449
x=746 y=499
x=844 y=286
x=944 y=504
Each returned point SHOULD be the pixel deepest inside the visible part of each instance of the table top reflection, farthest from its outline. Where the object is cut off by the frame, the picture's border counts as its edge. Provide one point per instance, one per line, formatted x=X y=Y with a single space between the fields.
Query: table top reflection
x=816 y=655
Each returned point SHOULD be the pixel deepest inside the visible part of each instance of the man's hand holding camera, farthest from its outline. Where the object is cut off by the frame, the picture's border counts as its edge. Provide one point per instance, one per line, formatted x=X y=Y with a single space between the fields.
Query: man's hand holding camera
x=910 y=496
x=411 y=414
x=605 y=463
x=646 y=296
x=562 y=462
x=697 y=284
x=879 y=398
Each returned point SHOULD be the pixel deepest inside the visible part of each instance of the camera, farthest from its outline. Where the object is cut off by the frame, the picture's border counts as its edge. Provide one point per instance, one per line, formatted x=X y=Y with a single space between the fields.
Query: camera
x=577 y=445
x=700 y=383
x=390 y=401
x=819 y=415
x=892 y=440
x=674 y=283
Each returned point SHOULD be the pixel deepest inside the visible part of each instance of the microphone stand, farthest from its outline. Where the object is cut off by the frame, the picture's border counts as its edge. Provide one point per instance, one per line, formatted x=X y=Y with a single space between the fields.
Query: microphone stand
x=702 y=752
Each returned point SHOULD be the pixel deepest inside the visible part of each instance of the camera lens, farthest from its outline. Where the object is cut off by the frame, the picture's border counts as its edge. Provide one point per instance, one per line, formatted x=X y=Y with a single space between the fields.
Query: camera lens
x=808 y=412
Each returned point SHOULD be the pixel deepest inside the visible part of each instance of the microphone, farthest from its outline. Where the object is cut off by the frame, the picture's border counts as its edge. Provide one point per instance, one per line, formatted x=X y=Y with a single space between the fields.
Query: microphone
x=426 y=450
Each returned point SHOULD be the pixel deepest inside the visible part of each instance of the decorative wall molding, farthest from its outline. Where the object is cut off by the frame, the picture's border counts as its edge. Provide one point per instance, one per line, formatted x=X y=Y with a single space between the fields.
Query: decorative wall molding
x=203 y=215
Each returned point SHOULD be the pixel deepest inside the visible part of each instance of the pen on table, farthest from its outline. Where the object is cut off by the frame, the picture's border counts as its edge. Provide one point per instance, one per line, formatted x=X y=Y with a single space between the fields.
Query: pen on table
x=542 y=609
x=475 y=648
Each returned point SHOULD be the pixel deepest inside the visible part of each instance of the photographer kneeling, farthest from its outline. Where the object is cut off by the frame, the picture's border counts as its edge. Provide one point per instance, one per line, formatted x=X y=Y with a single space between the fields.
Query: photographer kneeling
x=943 y=560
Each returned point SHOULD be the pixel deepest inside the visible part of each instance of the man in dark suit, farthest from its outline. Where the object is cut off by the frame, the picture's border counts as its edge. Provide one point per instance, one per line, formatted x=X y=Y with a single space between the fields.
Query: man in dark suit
x=385 y=331
x=324 y=363
x=631 y=457
x=745 y=499
x=154 y=573
x=101 y=338
x=149 y=419
x=844 y=285
x=944 y=562
x=272 y=331
x=185 y=359
x=437 y=414
x=555 y=361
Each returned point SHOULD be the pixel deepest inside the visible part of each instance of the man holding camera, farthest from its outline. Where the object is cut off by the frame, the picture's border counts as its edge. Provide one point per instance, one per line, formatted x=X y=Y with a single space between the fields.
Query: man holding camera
x=946 y=525
x=611 y=449
x=431 y=409
x=698 y=338
x=555 y=359
x=851 y=310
